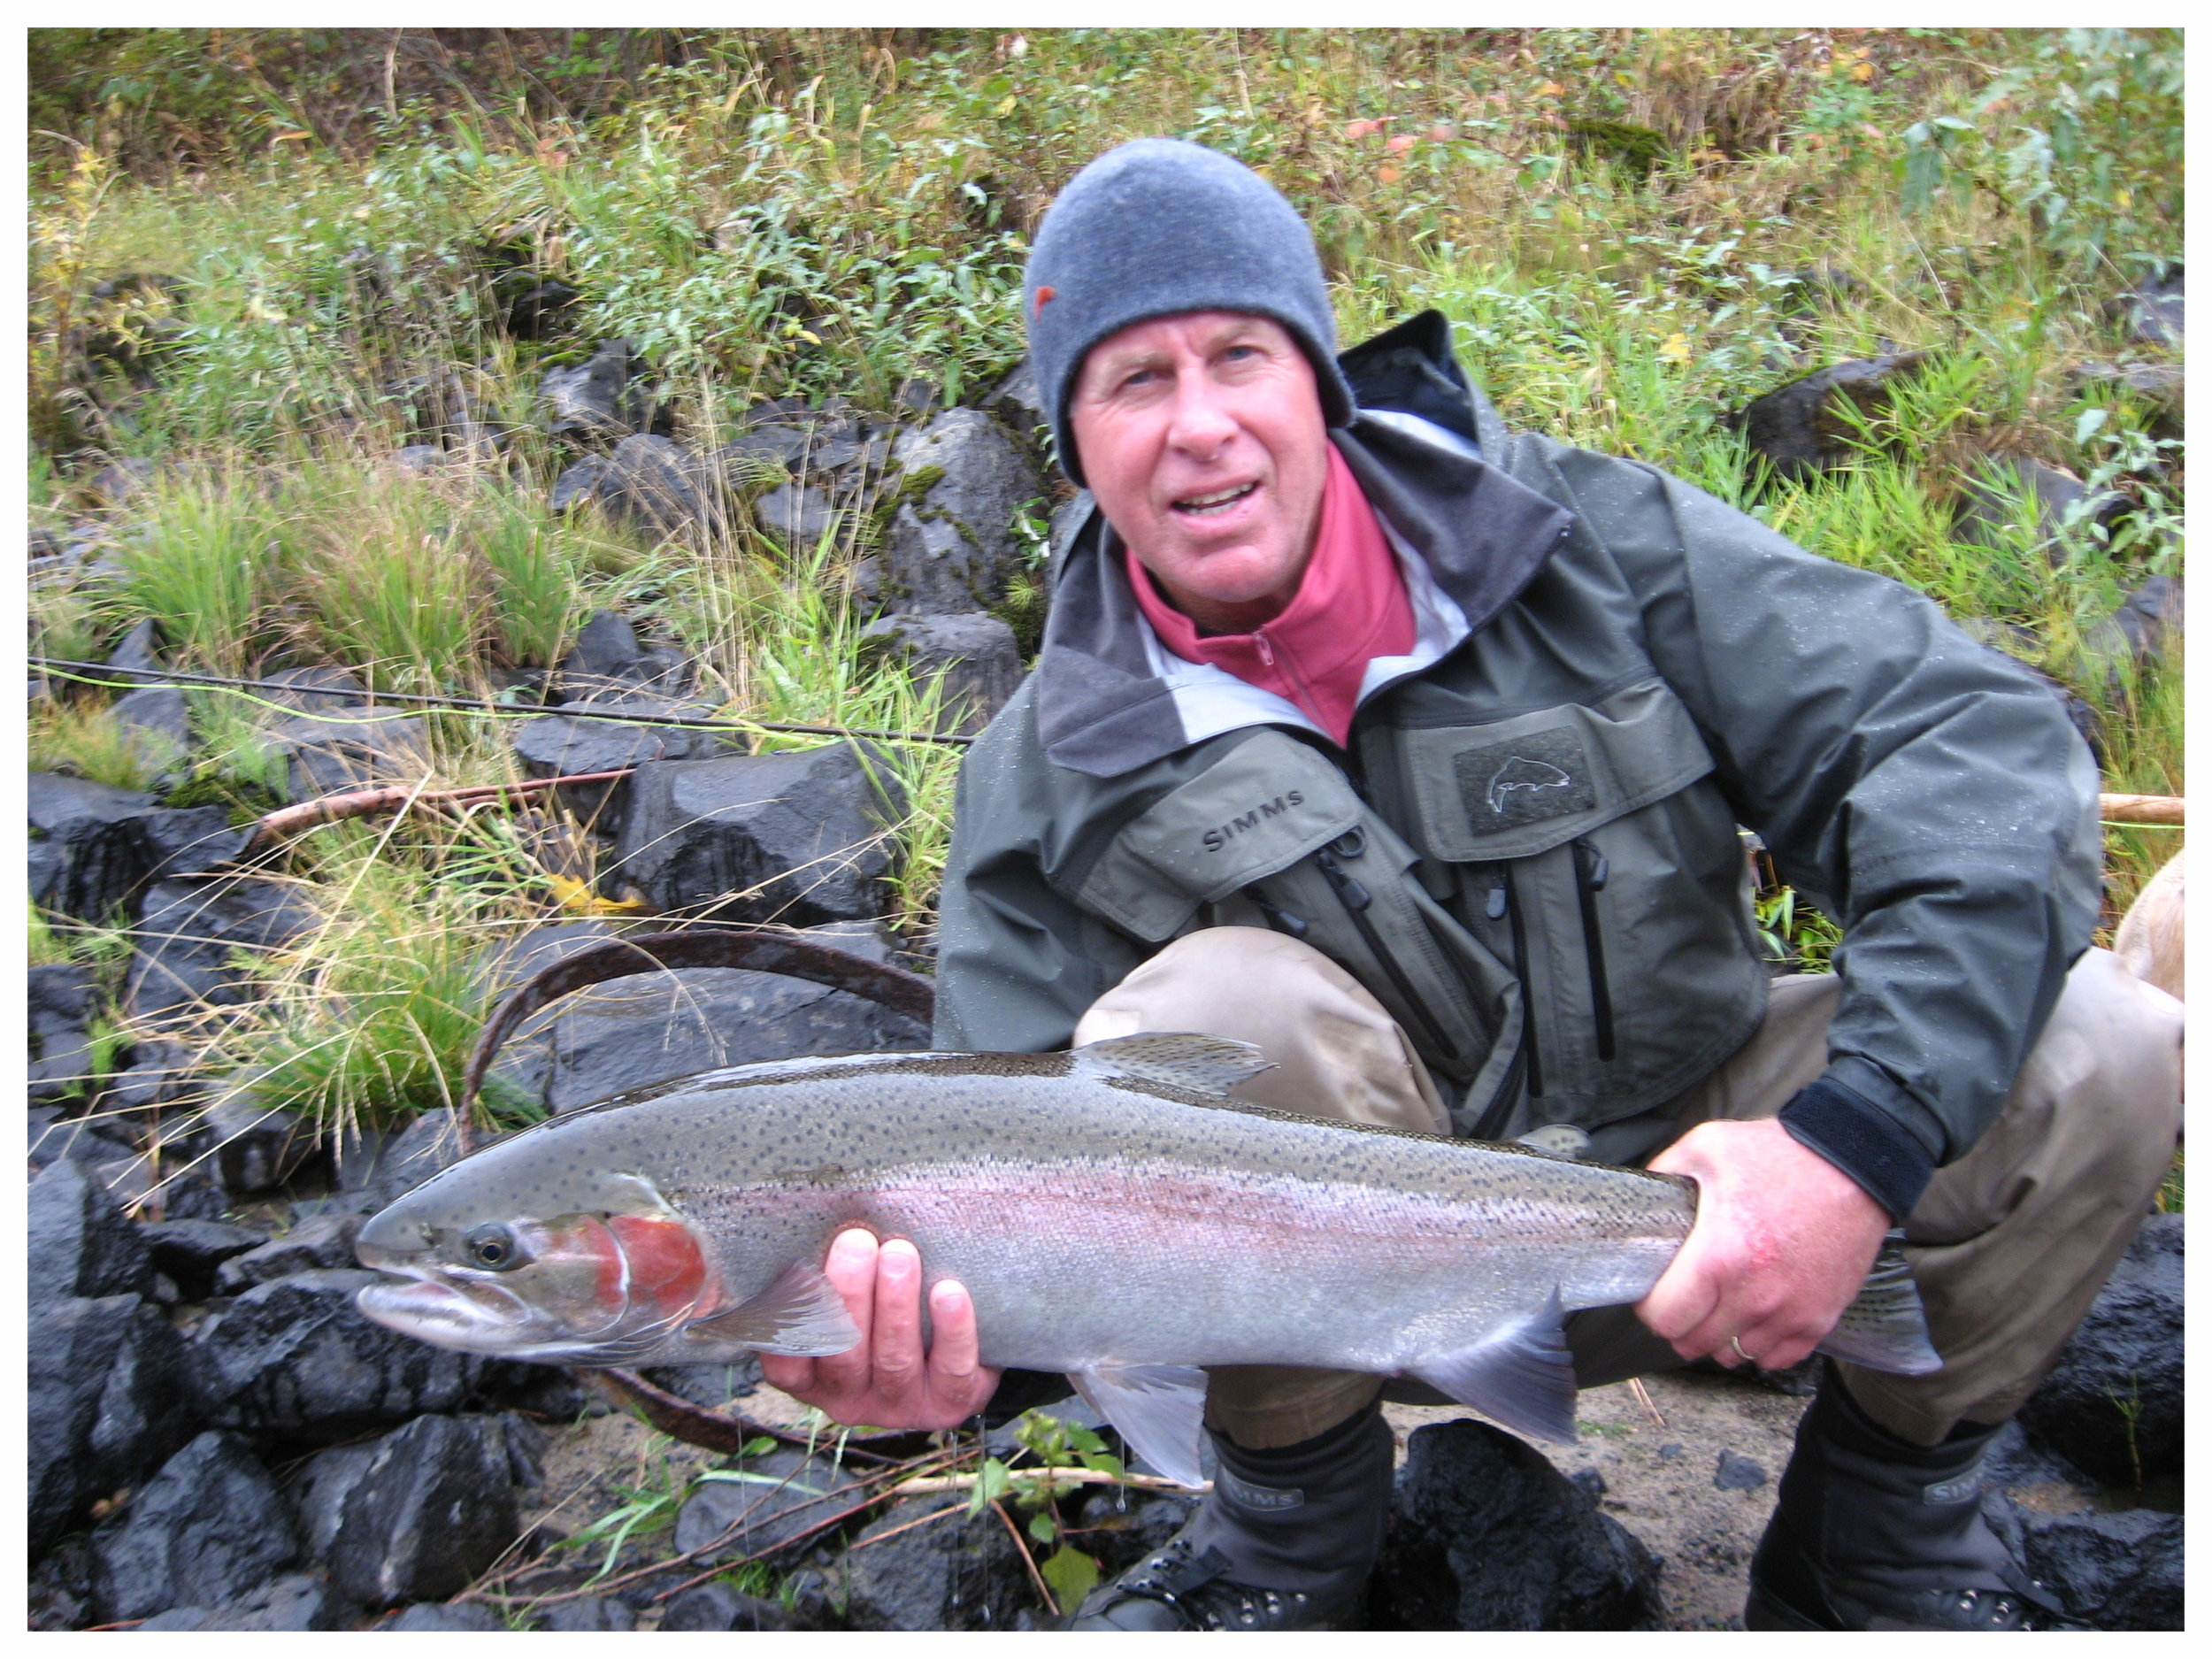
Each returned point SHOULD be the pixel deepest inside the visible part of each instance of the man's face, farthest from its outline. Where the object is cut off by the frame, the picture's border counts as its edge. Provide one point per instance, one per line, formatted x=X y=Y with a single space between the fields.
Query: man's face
x=1203 y=440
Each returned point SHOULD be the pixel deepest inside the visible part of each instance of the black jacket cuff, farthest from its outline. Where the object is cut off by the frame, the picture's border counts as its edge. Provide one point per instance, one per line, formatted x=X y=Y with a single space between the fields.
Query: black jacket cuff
x=1863 y=1142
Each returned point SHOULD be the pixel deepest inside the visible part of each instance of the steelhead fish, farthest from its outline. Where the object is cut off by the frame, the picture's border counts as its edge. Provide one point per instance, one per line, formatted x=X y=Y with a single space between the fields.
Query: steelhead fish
x=1114 y=1214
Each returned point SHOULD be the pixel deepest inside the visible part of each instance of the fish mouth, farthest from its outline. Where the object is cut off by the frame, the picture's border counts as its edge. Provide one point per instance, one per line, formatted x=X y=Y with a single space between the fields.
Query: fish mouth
x=473 y=1318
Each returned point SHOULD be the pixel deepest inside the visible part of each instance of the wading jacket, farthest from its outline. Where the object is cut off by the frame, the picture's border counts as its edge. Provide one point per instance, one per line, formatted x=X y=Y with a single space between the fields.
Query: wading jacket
x=1530 y=851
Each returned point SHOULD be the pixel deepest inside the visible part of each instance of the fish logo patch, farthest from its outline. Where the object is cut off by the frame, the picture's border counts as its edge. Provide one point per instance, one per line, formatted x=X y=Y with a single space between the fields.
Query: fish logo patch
x=1538 y=776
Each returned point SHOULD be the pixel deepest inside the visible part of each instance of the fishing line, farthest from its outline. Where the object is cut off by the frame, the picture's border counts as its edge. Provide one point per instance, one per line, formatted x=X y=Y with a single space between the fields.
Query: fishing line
x=103 y=675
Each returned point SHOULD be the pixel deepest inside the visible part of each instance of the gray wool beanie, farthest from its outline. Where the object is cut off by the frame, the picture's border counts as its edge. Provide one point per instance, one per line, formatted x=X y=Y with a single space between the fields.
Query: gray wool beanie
x=1157 y=226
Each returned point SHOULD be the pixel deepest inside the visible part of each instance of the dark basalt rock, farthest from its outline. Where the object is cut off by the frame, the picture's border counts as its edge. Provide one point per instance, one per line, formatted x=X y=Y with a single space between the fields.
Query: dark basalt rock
x=798 y=838
x=654 y=483
x=293 y=1602
x=159 y=720
x=951 y=546
x=79 y=1242
x=375 y=1173
x=593 y=1612
x=974 y=651
x=89 y=852
x=296 y=1359
x=606 y=648
x=349 y=746
x=454 y=1615
x=798 y=515
x=646 y=1028
x=954 y=1574
x=596 y=401
x=1798 y=427
x=717 y=1607
x=415 y=1516
x=562 y=744
x=55 y=1137
x=253 y=1148
x=2123 y=1362
x=191 y=1251
x=63 y=1000
x=2013 y=497
x=108 y=1399
x=784 y=1492
x=1486 y=1535
x=2154 y=311
x=317 y=1242
x=210 y=1530
x=192 y=928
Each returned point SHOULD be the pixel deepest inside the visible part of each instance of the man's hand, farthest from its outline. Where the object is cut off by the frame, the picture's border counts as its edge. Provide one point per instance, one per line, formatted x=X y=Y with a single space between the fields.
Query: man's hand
x=885 y=1379
x=1784 y=1240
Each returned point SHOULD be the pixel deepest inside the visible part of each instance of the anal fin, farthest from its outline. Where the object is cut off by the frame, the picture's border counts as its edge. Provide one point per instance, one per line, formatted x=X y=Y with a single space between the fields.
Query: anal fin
x=1886 y=1327
x=1159 y=1410
x=801 y=1313
x=1522 y=1377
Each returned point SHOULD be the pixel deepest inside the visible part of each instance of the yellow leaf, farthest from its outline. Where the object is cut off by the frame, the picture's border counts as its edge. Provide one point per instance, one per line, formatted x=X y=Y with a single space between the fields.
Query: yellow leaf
x=1861 y=72
x=577 y=895
x=1676 y=348
x=1006 y=105
x=809 y=336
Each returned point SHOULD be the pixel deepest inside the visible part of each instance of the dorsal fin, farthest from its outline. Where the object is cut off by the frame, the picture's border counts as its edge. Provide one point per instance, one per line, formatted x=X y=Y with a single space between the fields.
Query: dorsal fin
x=1182 y=1059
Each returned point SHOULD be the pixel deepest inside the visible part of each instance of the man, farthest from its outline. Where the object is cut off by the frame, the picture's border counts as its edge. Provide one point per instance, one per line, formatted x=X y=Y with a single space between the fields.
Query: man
x=1416 y=756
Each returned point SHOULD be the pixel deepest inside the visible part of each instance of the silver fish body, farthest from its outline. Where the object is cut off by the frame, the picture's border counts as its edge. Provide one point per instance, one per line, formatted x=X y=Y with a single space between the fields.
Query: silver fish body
x=1113 y=1215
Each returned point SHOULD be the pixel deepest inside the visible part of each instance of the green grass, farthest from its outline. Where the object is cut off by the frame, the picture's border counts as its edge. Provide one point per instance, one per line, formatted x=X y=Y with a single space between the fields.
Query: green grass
x=835 y=211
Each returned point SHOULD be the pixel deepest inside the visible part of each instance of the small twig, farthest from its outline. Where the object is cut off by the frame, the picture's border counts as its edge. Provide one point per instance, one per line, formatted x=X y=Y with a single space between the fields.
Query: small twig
x=908 y=1526
x=1643 y=1398
x=1052 y=1605
x=399 y=798
x=2155 y=811
x=1072 y=1477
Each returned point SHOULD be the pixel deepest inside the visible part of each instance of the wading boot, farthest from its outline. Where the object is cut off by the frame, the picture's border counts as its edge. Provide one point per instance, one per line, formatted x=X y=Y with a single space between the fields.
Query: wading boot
x=1872 y=1533
x=1284 y=1541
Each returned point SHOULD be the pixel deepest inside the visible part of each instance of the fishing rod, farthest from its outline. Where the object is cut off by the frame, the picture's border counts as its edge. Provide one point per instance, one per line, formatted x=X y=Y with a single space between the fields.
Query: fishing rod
x=103 y=674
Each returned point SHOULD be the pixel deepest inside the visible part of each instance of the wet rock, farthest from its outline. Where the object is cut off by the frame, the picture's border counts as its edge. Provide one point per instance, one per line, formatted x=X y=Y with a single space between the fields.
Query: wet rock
x=349 y=746
x=452 y=1616
x=1121 y=1528
x=210 y=1530
x=78 y=1241
x=414 y=1515
x=783 y=1493
x=156 y=1185
x=606 y=650
x=798 y=838
x=418 y=459
x=55 y=1137
x=577 y=484
x=565 y=742
x=2015 y=500
x=798 y=515
x=379 y=1171
x=1486 y=1535
x=60 y=1585
x=756 y=454
x=1799 y=427
x=974 y=651
x=254 y=1148
x=63 y=1001
x=717 y=1607
x=2151 y=619
x=657 y=485
x=1018 y=406
x=2161 y=387
x=159 y=720
x=2114 y=1401
x=293 y=1602
x=139 y=651
x=954 y=1574
x=296 y=1357
x=108 y=1399
x=2154 y=312
x=190 y=1251
x=159 y=1072
x=709 y=1386
x=648 y=1027
x=593 y=1612
x=191 y=930
x=1735 y=1472
x=317 y=1242
x=595 y=400
x=309 y=689
x=2112 y=1570
x=950 y=545
x=536 y=308
x=89 y=854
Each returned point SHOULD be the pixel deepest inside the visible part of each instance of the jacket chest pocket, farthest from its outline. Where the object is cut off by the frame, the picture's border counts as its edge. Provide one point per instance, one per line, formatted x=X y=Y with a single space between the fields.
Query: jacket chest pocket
x=1273 y=835
x=1594 y=851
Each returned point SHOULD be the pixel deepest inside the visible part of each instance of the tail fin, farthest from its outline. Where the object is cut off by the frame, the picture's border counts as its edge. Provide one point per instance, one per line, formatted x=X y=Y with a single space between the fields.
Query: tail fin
x=1885 y=1328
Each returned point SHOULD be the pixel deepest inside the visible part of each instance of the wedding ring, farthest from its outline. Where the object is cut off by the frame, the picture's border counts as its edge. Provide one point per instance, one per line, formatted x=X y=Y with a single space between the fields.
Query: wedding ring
x=1737 y=1346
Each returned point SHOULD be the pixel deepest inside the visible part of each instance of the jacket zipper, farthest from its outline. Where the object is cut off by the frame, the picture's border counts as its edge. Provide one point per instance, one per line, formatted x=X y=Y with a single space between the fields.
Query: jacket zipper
x=1356 y=900
x=1591 y=874
x=1528 y=999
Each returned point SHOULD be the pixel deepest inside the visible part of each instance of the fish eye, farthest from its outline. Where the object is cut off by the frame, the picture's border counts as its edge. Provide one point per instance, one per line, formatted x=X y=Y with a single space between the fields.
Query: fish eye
x=493 y=1246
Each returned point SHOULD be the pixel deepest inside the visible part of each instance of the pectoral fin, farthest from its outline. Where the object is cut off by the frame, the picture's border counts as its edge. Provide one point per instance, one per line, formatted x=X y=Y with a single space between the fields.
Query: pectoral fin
x=1885 y=1328
x=801 y=1313
x=1522 y=1377
x=1158 y=1409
